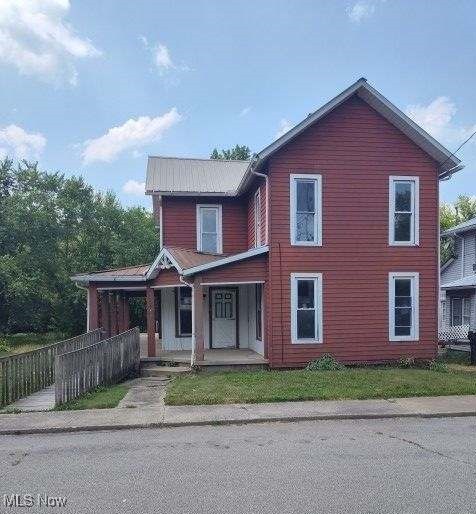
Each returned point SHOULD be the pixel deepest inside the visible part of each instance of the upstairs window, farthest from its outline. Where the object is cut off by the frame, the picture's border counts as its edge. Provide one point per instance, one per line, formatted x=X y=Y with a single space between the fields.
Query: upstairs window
x=305 y=208
x=404 y=211
x=257 y=215
x=403 y=306
x=209 y=231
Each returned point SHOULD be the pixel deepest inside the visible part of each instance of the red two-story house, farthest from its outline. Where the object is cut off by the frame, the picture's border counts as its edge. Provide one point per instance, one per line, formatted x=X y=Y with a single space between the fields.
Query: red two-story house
x=325 y=242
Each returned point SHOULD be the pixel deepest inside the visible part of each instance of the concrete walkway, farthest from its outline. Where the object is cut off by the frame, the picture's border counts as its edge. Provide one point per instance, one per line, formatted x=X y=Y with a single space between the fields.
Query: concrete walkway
x=159 y=415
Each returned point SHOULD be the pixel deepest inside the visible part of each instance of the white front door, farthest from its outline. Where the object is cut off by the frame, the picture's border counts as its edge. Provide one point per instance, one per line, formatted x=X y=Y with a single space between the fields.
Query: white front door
x=223 y=318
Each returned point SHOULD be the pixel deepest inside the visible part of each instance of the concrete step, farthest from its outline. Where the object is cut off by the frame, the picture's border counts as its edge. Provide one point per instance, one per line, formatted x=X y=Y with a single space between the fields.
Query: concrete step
x=163 y=371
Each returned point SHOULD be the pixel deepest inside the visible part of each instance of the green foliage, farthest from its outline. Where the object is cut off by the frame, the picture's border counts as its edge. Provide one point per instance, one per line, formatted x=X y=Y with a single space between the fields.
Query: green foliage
x=451 y=215
x=4 y=346
x=242 y=153
x=438 y=366
x=52 y=227
x=406 y=362
x=325 y=363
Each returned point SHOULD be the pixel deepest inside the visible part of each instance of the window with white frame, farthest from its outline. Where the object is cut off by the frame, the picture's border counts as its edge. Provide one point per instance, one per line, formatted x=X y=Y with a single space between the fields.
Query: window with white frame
x=257 y=215
x=460 y=311
x=403 y=306
x=306 y=308
x=259 y=311
x=209 y=228
x=305 y=209
x=183 y=311
x=404 y=211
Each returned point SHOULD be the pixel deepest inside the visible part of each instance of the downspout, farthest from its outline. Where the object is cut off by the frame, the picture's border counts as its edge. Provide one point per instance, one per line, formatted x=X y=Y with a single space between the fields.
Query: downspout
x=263 y=175
x=193 y=356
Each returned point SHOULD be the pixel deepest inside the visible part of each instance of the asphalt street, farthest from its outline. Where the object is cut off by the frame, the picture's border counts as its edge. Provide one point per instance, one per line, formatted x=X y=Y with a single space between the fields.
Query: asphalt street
x=367 y=466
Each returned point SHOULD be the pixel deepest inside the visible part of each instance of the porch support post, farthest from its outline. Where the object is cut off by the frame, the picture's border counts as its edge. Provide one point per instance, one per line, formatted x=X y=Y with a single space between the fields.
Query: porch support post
x=113 y=311
x=198 y=334
x=126 y=316
x=105 y=314
x=93 y=308
x=120 y=312
x=150 y=301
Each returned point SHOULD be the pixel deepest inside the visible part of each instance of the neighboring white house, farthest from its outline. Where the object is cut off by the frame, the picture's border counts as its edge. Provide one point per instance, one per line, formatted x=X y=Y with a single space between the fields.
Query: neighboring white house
x=458 y=283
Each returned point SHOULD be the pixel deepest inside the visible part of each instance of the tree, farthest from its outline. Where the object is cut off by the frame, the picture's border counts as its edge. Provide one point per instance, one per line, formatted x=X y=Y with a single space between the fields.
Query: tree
x=242 y=153
x=52 y=227
x=464 y=209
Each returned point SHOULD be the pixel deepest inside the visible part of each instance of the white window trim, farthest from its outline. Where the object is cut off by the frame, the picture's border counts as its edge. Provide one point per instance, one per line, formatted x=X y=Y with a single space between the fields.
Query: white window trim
x=257 y=215
x=292 y=207
x=219 y=226
x=464 y=302
x=319 y=310
x=415 y=226
x=415 y=333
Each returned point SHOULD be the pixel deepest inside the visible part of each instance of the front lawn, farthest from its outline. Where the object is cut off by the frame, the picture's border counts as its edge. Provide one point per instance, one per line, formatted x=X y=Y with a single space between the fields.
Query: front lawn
x=21 y=343
x=351 y=383
x=100 y=398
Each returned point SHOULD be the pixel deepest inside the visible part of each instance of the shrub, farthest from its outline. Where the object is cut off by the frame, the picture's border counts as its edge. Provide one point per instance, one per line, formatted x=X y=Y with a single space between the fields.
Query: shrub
x=439 y=366
x=325 y=363
x=406 y=362
x=4 y=346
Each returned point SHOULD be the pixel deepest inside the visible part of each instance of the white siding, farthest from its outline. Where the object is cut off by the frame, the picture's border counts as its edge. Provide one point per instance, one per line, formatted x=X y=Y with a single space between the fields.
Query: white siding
x=169 y=341
x=469 y=253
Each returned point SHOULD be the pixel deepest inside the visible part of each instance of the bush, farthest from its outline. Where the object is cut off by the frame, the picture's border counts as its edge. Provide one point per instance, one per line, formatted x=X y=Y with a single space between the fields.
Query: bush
x=4 y=346
x=406 y=362
x=325 y=363
x=441 y=367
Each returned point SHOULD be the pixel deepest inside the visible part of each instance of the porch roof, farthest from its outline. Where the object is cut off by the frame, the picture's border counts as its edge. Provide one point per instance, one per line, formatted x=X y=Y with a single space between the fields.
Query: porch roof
x=461 y=283
x=126 y=274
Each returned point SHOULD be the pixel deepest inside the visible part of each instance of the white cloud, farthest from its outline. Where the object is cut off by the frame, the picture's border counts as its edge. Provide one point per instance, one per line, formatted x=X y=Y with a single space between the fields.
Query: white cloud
x=133 y=134
x=437 y=118
x=133 y=187
x=360 y=10
x=16 y=142
x=37 y=41
x=161 y=57
x=284 y=126
x=244 y=111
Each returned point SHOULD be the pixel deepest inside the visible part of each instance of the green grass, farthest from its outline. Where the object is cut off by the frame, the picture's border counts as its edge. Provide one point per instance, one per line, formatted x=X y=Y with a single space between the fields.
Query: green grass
x=351 y=383
x=21 y=343
x=100 y=398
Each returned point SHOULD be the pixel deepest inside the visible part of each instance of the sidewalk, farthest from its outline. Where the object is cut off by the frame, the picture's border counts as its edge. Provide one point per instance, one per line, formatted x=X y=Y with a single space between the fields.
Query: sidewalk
x=165 y=416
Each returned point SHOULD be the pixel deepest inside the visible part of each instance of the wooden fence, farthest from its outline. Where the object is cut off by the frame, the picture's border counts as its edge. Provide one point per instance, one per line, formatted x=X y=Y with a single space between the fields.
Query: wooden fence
x=106 y=362
x=26 y=373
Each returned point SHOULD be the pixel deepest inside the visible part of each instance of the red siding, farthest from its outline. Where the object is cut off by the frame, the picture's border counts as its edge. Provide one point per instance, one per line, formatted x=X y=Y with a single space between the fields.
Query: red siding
x=180 y=229
x=355 y=150
x=249 y=270
x=167 y=277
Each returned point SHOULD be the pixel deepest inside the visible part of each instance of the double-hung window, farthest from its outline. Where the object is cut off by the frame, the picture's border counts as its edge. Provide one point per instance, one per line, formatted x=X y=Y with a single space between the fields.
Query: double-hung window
x=183 y=311
x=259 y=311
x=209 y=228
x=460 y=311
x=403 y=306
x=305 y=209
x=257 y=216
x=404 y=211
x=306 y=308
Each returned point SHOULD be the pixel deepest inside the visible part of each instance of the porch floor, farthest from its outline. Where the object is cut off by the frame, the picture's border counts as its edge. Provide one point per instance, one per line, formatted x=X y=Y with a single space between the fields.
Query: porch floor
x=215 y=357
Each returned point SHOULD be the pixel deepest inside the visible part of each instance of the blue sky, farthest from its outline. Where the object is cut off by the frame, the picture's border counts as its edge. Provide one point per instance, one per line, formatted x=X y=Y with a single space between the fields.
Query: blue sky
x=92 y=87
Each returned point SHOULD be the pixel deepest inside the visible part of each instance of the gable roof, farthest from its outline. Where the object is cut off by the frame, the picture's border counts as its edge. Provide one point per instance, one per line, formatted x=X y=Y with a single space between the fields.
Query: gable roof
x=170 y=175
x=462 y=227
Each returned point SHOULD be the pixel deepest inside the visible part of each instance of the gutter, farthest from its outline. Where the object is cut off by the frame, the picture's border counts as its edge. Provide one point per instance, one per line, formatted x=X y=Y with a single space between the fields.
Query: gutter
x=446 y=175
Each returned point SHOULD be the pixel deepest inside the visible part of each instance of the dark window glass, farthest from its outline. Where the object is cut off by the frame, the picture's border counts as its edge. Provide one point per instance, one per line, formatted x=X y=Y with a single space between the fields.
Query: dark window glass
x=403 y=307
x=258 y=296
x=403 y=196
x=403 y=227
x=306 y=324
x=305 y=210
x=184 y=308
x=305 y=294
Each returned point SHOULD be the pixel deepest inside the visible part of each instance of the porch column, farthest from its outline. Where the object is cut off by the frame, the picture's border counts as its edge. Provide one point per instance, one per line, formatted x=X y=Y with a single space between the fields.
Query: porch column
x=113 y=311
x=93 y=310
x=150 y=303
x=198 y=335
x=126 y=316
x=120 y=312
x=105 y=325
